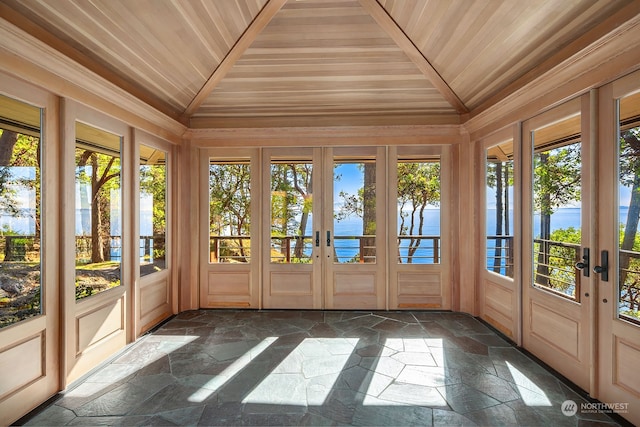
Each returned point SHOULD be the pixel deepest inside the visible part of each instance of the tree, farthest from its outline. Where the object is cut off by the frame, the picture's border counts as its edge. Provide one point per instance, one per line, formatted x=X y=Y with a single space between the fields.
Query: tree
x=500 y=177
x=102 y=173
x=418 y=187
x=153 y=181
x=630 y=177
x=556 y=183
x=230 y=202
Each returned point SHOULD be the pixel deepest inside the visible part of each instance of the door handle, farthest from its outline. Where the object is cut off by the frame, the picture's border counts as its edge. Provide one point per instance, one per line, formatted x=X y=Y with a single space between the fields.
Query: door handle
x=317 y=238
x=603 y=268
x=328 y=238
x=584 y=264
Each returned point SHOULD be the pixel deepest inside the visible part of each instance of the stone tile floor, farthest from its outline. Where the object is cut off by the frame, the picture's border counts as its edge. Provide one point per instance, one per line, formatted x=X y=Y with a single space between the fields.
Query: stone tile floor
x=318 y=368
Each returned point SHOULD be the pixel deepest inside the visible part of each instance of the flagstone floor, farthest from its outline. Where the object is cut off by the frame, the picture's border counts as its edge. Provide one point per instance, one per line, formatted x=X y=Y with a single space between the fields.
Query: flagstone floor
x=318 y=368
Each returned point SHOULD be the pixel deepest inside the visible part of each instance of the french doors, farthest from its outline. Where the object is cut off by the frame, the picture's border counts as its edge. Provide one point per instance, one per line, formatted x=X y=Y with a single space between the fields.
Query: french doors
x=325 y=228
x=581 y=290
x=322 y=209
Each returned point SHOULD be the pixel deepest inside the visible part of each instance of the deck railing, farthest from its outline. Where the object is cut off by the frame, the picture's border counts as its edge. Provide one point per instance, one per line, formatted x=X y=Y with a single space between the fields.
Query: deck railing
x=554 y=267
x=500 y=254
x=347 y=248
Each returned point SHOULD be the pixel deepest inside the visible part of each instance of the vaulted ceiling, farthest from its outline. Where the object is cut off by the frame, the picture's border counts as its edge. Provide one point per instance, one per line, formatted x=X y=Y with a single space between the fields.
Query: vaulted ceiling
x=260 y=63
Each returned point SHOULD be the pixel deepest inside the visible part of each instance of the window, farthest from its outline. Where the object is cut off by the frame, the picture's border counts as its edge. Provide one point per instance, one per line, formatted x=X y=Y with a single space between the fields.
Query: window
x=499 y=208
x=557 y=207
x=153 y=210
x=291 y=205
x=98 y=210
x=354 y=223
x=419 y=212
x=229 y=212
x=20 y=211
x=629 y=207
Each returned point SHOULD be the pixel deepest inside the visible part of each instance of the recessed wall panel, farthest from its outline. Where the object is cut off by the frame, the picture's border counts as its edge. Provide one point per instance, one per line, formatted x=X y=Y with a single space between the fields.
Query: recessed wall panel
x=626 y=358
x=99 y=324
x=555 y=329
x=21 y=364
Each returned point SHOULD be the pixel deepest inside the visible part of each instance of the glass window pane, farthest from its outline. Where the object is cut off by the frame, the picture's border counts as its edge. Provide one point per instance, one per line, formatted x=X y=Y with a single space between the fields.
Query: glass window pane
x=230 y=212
x=98 y=211
x=499 y=208
x=354 y=225
x=419 y=212
x=20 y=207
x=557 y=207
x=153 y=210
x=629 y=208
x=291 y=212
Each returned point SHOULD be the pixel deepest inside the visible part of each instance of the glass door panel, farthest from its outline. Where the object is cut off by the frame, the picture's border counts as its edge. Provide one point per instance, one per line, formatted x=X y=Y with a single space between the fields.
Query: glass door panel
x=20 y=209
x=419 y=212
x=629 y=209
x=557 y=202
x=354 y=212
x=153 y=210
x=499 y=212
x=98 y=210
x=229 y=211
x=291 y=202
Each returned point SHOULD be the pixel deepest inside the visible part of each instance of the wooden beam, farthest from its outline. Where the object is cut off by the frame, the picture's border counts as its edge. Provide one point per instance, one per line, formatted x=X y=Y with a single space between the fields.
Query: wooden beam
x=404 y=42
x=248 y=37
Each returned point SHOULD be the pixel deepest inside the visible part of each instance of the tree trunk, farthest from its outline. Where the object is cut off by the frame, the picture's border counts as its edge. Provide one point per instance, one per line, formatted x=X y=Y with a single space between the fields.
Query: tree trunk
x=499 y=215
x=8 y=140
x=369 y=213
x=630 y=229
x=545 y=233
x=97 y=240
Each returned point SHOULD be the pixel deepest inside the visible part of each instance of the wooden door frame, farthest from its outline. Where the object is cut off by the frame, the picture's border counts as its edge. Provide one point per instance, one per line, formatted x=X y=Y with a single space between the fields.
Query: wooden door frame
x=413 y=293
x=34 y=344
x=613 y=333
x=500 y=297
x=543 y=347
x=112 y=307
x=243 y=290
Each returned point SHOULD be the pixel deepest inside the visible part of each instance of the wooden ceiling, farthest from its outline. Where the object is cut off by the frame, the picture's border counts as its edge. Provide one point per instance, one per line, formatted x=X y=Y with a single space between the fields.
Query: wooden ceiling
x=267 y=63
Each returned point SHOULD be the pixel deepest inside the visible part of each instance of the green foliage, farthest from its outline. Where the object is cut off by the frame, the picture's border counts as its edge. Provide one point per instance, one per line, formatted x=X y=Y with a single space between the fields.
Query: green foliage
x=556 y=178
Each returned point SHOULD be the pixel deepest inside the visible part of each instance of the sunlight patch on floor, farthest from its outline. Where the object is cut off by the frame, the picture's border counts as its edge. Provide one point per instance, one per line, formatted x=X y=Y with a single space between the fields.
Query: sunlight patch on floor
x=307 y=375
x=531 y=394
x=406 y=373
x=232 y=370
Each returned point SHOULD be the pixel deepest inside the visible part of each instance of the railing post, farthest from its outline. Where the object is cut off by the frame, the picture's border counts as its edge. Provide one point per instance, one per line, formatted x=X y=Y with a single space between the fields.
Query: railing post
x=213 y=249
x=361 y=244
x=436 y=250
x=510 y=256
x=288 y=249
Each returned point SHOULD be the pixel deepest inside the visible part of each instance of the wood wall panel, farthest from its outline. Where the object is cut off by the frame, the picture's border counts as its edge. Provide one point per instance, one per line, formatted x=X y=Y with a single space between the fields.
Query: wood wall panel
x=290 y=283
x=98 y=324
x=625 y=365
x=347 y=284
x=419 y=284
x=556 y=329
x=21 y=364
x=154 y=299
x=498 y=307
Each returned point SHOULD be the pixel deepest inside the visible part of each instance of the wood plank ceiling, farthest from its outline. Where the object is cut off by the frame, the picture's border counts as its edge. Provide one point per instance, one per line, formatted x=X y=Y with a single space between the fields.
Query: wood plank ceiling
x=263 y=63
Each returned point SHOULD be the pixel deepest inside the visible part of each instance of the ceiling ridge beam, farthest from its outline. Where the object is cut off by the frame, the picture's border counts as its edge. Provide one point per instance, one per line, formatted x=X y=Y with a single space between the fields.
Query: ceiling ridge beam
x=242 y=44
x=403 y=41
